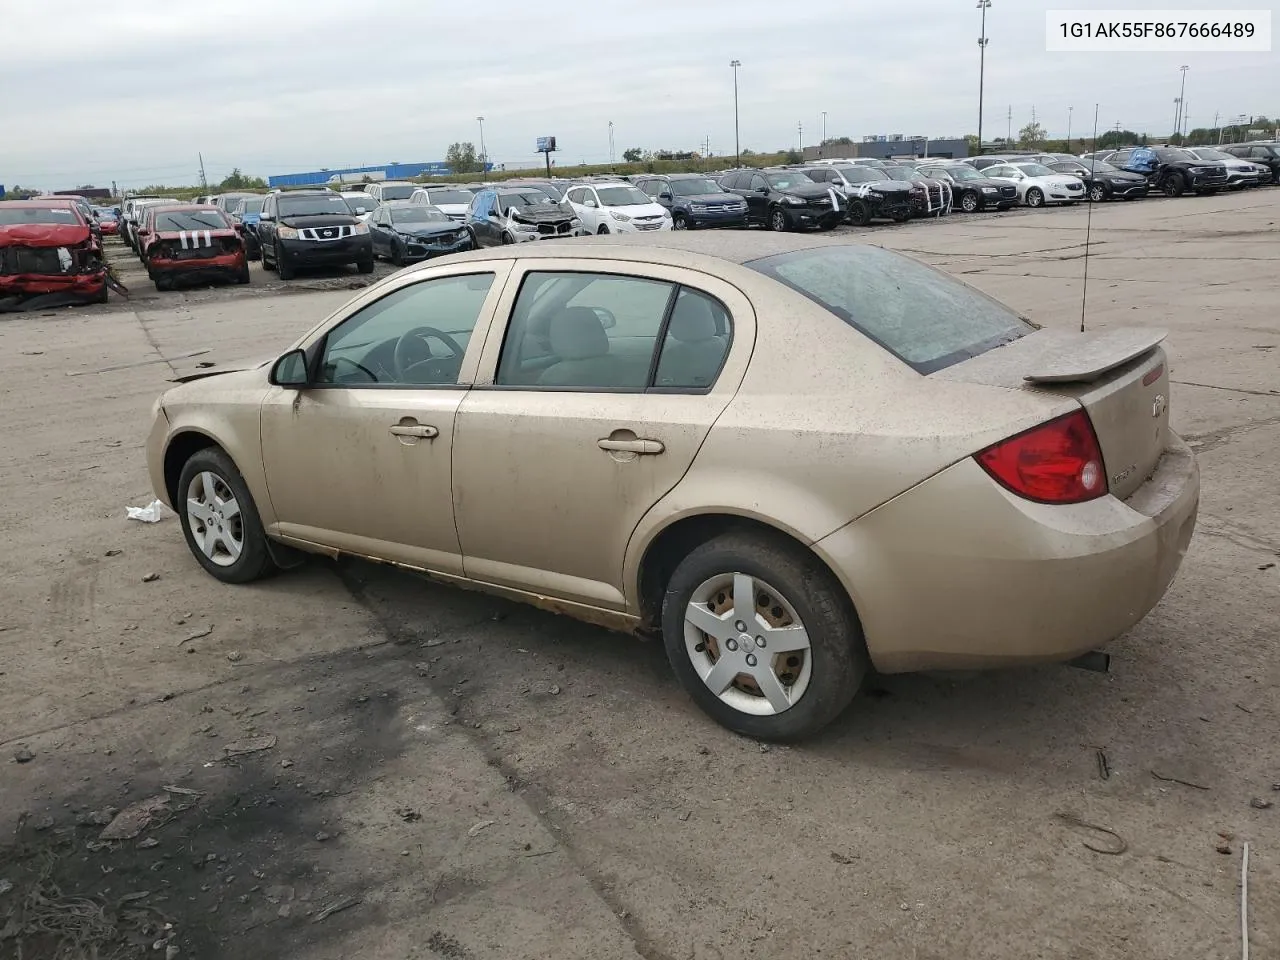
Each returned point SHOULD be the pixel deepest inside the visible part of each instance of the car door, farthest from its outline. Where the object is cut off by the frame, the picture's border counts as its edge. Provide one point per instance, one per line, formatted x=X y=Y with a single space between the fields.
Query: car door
x=588 y=408
x=360 y=459
x=758 y=198
x=266 y=223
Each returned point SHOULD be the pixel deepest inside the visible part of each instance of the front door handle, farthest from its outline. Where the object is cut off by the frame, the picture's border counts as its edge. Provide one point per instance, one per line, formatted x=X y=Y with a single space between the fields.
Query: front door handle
x=642 y=447
x=418 y=430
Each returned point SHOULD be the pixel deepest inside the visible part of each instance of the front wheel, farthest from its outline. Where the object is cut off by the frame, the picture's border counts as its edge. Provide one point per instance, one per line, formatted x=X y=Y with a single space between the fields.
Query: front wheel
x=283 y=267
x=365 y=263
x=219 y=519
x=242 y=275
x=970 y=203
x=860 y=213
x=603 y=231
x=762 y=636
x=1174 y=185
x=507 y=239
x=262 y=252
x=778 y=221
x=1097 y=194
x=1035 y=197
x=397 y=254
x=678 y=222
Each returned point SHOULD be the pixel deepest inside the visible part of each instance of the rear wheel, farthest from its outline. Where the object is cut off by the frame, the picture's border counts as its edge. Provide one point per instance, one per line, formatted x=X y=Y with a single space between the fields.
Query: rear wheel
x=778 y=220
x=1035 y=197
x=860 y=213
x=1097 y=194
x=969 y=203
x=219 y=519
x=762 y=636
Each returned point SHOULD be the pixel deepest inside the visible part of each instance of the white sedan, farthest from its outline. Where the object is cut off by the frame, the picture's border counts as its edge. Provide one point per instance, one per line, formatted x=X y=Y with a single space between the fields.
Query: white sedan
x=1037 y=184
x=617 y=208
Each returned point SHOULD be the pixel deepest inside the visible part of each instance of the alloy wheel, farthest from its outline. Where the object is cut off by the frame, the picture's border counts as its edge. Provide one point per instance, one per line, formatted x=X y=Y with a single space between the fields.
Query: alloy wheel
x=1096 y=193
x=969 y=203
x=214 y=518
x=747 y=644
x=778 y=221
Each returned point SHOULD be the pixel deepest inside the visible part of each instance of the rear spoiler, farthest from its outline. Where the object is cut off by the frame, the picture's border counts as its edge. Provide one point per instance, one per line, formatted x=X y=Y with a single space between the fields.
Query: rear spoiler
x=1065 y=357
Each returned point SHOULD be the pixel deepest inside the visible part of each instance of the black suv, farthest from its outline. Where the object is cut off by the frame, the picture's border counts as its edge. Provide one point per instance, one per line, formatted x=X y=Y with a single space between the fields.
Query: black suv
x=303 y=228
x=785 y=199
x=869 y=194
x=1177 y=171
x=1267 y=154
x=694 y=200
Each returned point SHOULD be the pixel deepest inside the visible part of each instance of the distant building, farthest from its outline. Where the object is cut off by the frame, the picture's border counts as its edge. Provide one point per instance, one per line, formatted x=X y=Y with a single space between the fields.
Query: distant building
x=884 y=146
x=89 y=193
x=385 y=171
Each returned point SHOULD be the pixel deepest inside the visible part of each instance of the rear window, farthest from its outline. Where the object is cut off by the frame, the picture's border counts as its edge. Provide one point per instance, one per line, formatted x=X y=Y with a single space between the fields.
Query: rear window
x=921 y=316
x=15 y=216
x=400 y=191
x=167 y=220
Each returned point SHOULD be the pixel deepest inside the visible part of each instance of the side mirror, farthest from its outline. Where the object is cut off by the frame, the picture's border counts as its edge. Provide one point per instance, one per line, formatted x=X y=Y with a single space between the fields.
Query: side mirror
x=290 y=370
x=607 y=319
x=589 y=203
x=665 y=195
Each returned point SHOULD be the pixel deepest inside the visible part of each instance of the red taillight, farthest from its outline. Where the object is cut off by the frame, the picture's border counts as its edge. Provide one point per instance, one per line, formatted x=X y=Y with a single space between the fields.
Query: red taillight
x=1056 y=462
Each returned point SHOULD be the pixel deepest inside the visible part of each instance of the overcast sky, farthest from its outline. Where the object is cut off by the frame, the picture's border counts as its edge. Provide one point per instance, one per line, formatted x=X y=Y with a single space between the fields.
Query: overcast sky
x=131 y=90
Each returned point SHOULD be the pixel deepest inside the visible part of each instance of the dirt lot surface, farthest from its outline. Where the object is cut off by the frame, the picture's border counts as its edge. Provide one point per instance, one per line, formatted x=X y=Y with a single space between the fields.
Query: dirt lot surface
x=436 y=774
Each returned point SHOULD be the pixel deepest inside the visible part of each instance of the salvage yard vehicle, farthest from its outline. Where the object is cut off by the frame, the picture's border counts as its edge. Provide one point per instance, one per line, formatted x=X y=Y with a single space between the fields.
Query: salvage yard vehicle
x=245 y=216
x=694 y=201
x=972 y=190
x=1240 y=173
x=1176 y=171
x=386 y=190
x=192 y=244
x=132 y=217
x=453 y=200
x=616 y=207
x=580 y=426
x=1101 y=180
x=929 y=197
x=48 y=255
x=306 y=228
x=1266 y=154
x=504 y=215
x=868 y=193
x=1038 y=185
x=785 y=199
x=406 y=232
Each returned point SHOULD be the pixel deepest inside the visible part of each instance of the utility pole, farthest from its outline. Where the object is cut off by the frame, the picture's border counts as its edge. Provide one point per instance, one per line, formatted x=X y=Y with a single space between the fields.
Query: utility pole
x=737 y=144
x=822 y=144
x=611 y=143
x=1216 y=127
x=484 y=154
x=204 y=183
x=1008 y=136
x=1177 y=127
x=800 y=137
x=982 y=64
x=1070 y=110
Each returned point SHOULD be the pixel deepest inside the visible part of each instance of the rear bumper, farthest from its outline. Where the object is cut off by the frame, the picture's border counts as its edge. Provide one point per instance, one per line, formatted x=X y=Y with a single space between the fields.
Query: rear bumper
x=226 y=263
x=88 y=285
x=960 y=573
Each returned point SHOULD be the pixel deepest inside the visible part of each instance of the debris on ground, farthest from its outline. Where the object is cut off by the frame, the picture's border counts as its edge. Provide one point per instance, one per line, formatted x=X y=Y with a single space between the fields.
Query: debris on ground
x=153 y=512
x=5 y=886
x=43 y=823
x=408 y=814
x=238 y=748
x=1185 y=783
x=1104 y=767
x=337 y=905
x=148 y=843
x=1119 y=847
x=112 y=553
x=197 y=635
x=151 y=578
x=477 y=827
x=136 y=817
x=843 y=858
x=1258 y=803
x=97 y=818
x=235 y=656
x=1223 y=843
x=321 y=837
x=24 y=755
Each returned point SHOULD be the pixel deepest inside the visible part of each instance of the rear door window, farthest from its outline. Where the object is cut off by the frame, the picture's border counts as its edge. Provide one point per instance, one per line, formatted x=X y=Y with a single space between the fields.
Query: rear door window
x=921 y=316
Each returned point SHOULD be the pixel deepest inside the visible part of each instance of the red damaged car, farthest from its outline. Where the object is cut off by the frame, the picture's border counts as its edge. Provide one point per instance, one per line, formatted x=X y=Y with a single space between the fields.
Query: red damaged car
x=191 y=243
x=48 y=255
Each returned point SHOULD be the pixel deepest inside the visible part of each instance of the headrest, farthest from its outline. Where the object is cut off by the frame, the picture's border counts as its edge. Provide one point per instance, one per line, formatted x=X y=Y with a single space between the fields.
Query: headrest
x=578 y=334
x=692 y=320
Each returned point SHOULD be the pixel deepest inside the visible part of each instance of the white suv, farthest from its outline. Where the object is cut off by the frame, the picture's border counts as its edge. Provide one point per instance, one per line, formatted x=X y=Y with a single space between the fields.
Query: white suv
x=616 y=208
x=384 y=190
x=454 y=201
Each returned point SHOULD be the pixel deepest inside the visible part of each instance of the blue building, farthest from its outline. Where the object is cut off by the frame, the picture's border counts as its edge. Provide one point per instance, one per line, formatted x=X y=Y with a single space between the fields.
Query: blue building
x=384 y=171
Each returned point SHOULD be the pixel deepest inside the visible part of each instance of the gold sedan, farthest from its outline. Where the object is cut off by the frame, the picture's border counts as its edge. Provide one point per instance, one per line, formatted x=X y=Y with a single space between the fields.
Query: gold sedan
x=795 y=457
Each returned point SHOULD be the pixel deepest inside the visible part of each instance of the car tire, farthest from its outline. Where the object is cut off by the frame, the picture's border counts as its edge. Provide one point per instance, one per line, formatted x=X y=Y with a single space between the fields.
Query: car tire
x=365 y=264
x=778 y=220
x=283 y=267
x=507 y=239
x=678 y=222
x=397 y=255
x=232 y=548
x=242 y=275
x=1097 y=193
x=603 y=231
x=262 y=252
x=1035 y=197
x=860 y=213
x=902 y=217
x=1174 y=185
x=792 y=583
x=970 y=202
x=105 y=294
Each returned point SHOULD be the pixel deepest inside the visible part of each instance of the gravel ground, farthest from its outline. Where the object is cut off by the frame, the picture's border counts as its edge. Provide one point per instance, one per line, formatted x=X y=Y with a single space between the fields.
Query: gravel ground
x=434 y=773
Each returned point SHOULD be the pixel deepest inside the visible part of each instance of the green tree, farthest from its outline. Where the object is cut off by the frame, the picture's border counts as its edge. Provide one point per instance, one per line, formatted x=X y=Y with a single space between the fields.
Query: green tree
x=1032 y=136
x=793 y=156
x=461 y=158
x=971 y=141
x=632 y=155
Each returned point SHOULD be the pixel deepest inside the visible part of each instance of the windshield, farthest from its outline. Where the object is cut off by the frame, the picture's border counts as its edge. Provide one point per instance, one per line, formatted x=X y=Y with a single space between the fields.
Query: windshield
x=1034 y=169
x=105 y=214
x=1100 y=166
x=962 y=171
x=13 y=216
x=313 y=206
x=167 y=220
x=923 y=317
x=399 y=191
x=449 y=196
x=1214 y=155
x=785 y=181
x=543 y=188
x=1168 y=155
x=861 y=174
x=696 y=187
x=897 y=173
x=418 y=214
x=531 y=198
x=621 y=196
x=249 y=206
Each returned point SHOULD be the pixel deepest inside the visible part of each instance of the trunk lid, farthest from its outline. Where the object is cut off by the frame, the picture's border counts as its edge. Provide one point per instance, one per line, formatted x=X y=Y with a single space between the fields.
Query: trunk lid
x=1120 y=377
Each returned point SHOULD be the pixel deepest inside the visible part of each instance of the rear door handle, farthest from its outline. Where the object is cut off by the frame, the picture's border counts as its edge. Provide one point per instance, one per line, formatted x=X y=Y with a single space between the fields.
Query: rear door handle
x=414 y=430
x=642 y=447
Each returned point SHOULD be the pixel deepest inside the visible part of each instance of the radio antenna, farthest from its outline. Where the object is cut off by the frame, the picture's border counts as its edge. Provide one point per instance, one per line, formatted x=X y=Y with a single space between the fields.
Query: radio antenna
x=1088 y=227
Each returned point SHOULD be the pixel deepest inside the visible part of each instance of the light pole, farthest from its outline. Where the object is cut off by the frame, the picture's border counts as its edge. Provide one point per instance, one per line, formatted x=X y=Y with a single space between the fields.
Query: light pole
x=1177 y=127
x=484 y=154
x=1177 y=115
x=610 y=143
x=737 y=145
x=822 y=144
x=1070 y=111
x=800 y=137
x=983 y=5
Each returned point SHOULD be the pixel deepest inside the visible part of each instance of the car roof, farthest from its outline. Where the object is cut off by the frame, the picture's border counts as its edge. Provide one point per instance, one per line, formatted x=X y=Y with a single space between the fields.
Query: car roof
x=42 y=203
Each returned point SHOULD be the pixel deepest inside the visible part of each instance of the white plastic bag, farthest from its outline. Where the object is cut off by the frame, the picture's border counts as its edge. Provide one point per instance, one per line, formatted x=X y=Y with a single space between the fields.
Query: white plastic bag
x=153 y=512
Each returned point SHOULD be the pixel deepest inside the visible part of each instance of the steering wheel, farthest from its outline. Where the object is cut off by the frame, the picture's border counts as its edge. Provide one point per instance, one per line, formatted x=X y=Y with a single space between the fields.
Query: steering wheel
x=438 y=368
